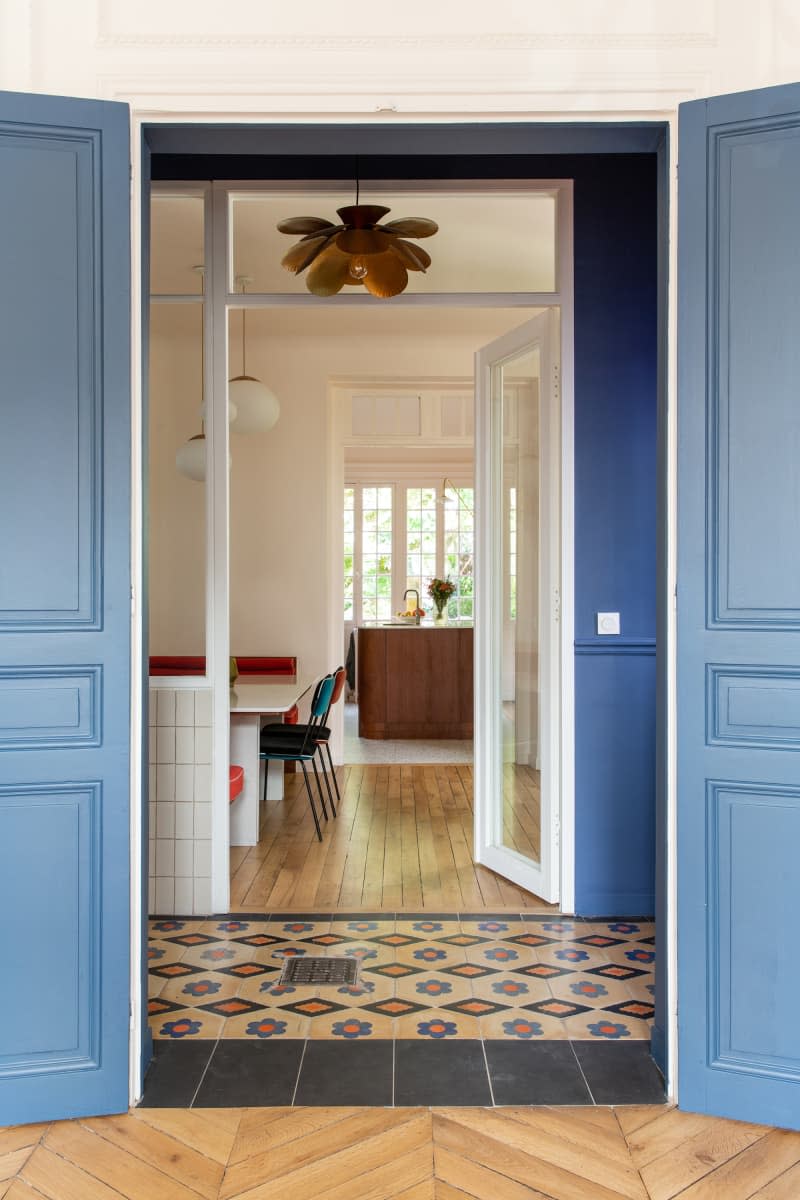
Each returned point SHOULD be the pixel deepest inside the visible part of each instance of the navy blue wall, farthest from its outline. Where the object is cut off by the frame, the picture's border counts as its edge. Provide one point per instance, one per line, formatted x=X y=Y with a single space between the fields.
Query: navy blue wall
x=615 y=534
x=616 y=388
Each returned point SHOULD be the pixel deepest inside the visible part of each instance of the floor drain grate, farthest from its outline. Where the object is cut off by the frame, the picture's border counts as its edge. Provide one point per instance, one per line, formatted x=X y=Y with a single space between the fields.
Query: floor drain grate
x=318 y=971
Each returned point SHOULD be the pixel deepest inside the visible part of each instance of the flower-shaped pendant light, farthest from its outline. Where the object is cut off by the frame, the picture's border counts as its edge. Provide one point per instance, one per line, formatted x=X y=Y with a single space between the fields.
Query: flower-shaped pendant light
x=358 y=252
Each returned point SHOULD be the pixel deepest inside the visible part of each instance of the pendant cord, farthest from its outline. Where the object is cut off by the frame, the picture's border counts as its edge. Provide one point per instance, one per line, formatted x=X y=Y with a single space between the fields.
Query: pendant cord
x=358 y=182
x=244 y=338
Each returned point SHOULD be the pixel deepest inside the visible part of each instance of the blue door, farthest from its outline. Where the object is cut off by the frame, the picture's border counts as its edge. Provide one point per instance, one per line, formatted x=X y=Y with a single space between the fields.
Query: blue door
x=65 y=607
x=739 y=606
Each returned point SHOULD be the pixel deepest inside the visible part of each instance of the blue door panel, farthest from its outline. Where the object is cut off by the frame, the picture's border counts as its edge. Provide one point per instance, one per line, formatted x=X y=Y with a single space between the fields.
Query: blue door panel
x=64 y=607
x=739 y=606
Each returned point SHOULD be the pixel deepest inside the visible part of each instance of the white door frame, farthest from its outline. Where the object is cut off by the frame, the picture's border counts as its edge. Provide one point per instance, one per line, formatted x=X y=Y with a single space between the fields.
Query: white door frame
x=140 y=118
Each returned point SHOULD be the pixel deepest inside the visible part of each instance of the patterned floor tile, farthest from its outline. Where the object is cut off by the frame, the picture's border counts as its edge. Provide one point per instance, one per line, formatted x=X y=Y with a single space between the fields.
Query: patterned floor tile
x=437 y=1025
x=605 y=1026
x=434 y=988
x=519 y=1025
x=498 y=927
x=427 y=927
x=356 y=927
x=511 y=989
x=426 y=976
x=589 y=990
x=187 y=1023
x=351 y=1024
x=266 y=1025
x=199 y=989
x=431 y=955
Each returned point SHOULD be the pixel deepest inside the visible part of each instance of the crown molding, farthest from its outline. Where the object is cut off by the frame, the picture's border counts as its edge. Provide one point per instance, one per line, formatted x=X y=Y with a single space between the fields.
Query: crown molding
x=456 y=42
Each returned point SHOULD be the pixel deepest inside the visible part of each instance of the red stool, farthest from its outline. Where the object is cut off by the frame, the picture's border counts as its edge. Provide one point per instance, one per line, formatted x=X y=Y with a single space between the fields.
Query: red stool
x=235 y=781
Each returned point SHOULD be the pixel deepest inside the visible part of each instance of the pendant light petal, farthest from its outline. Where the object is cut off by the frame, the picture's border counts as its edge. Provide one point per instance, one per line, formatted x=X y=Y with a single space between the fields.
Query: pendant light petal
x=302 y=254
x=328 y=232
x=363 y=241
x=329 y=273
x=304 y=225
x=386 y=275
x=412 y=227
x=413 y=257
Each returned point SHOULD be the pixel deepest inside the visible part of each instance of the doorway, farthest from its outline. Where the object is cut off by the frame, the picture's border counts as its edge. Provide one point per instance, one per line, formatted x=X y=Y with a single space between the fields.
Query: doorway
x=606 y=867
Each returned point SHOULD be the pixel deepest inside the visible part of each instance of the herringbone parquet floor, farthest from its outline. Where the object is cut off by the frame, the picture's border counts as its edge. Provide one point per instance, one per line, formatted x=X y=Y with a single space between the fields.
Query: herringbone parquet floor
x=653 y=1153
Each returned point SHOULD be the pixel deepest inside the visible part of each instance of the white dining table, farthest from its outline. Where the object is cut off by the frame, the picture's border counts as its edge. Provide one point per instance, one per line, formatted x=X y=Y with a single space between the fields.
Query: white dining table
x=252 y=700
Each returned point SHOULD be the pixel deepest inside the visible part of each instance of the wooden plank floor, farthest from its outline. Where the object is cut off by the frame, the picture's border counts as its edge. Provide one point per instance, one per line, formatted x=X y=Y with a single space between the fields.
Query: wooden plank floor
x=402 y=840
x=653 y=1153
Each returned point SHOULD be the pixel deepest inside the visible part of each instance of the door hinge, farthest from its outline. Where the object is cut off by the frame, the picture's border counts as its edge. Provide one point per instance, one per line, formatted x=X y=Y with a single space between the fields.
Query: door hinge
x=556 y=605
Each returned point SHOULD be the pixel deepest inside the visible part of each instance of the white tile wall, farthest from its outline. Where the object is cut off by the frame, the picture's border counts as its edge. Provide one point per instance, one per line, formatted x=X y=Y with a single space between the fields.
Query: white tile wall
x=180 y=801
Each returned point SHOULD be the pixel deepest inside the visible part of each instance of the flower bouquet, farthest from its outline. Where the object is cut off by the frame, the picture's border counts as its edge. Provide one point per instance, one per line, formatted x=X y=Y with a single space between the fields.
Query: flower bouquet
x=440 y=591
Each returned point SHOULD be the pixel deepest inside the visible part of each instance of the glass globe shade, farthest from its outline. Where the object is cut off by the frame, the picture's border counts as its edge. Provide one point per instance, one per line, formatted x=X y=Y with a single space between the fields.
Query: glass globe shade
x=257 y=408
x=191 y=458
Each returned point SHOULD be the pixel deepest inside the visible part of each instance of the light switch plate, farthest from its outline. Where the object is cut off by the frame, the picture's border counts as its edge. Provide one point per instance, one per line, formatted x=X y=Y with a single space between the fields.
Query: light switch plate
x=607 y=623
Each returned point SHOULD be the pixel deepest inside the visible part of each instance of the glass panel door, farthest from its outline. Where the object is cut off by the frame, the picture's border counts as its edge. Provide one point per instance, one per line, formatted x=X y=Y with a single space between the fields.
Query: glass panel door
x=517 y=694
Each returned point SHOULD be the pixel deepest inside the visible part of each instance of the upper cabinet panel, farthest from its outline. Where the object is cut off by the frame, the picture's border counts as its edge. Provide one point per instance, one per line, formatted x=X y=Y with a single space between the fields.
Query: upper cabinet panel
x=754 y=365
x=51 y=351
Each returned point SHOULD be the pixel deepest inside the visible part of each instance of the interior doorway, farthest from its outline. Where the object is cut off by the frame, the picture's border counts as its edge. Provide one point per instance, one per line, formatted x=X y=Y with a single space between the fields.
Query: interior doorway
x=623 y=897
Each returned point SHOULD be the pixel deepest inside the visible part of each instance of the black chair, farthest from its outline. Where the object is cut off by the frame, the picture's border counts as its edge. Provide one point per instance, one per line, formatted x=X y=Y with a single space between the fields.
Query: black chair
x=303 y=748
x=292 y=734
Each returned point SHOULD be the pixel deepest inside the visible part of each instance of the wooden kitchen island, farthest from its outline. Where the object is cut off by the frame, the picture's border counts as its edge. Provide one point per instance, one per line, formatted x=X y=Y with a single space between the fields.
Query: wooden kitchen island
x=414 y=681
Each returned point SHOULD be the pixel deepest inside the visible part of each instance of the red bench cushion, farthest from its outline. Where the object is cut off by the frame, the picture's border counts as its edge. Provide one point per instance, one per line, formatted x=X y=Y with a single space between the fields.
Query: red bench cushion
x=195 y=664
x=273 y=665
x=177 y=664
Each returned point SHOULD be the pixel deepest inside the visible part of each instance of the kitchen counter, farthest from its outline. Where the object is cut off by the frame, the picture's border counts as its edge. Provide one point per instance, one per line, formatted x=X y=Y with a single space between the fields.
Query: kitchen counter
x=415 y=681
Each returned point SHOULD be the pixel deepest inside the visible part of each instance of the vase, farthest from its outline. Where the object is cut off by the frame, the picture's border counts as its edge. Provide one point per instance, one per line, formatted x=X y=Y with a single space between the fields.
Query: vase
x=440 y=616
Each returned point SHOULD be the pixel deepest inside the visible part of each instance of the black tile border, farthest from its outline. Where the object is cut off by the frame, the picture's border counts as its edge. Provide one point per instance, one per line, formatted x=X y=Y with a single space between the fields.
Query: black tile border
x=378 y=1072
x=535 y=1073
x=394 y=915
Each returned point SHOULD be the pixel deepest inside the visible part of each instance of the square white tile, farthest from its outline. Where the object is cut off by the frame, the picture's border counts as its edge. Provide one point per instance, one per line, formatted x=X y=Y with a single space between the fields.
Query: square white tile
x=184 y=859
x=202 y=706
x=202 y=820
x=165 y=897
x=184 y=895
x=202 y=896
x=184 y=820
x=165 y=783
x=202 y=784
x=184 y=783
x=165 y=819
x=184 y=744
x=184 y=708
x=202 y=858
x=166 y=707
x=202 y=744
x=165 y=857
x=165 y=744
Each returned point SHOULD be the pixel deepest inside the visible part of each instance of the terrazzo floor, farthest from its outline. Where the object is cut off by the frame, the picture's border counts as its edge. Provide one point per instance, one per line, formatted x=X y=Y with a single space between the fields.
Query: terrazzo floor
x=370 y=750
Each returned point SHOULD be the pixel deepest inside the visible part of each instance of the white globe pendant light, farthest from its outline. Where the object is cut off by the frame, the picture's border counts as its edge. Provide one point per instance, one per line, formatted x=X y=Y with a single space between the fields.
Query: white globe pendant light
x=256 y=408
x=191 y=458
x=252 y=407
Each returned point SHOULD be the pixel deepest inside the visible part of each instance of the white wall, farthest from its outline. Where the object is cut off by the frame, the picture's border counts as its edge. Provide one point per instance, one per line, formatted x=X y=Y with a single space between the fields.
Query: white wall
x=447 y=58
x=176 y=528
x=280 y=552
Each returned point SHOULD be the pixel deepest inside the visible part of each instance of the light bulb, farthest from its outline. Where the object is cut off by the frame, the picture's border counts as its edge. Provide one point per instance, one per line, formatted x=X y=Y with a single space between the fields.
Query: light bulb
x=357 y=268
